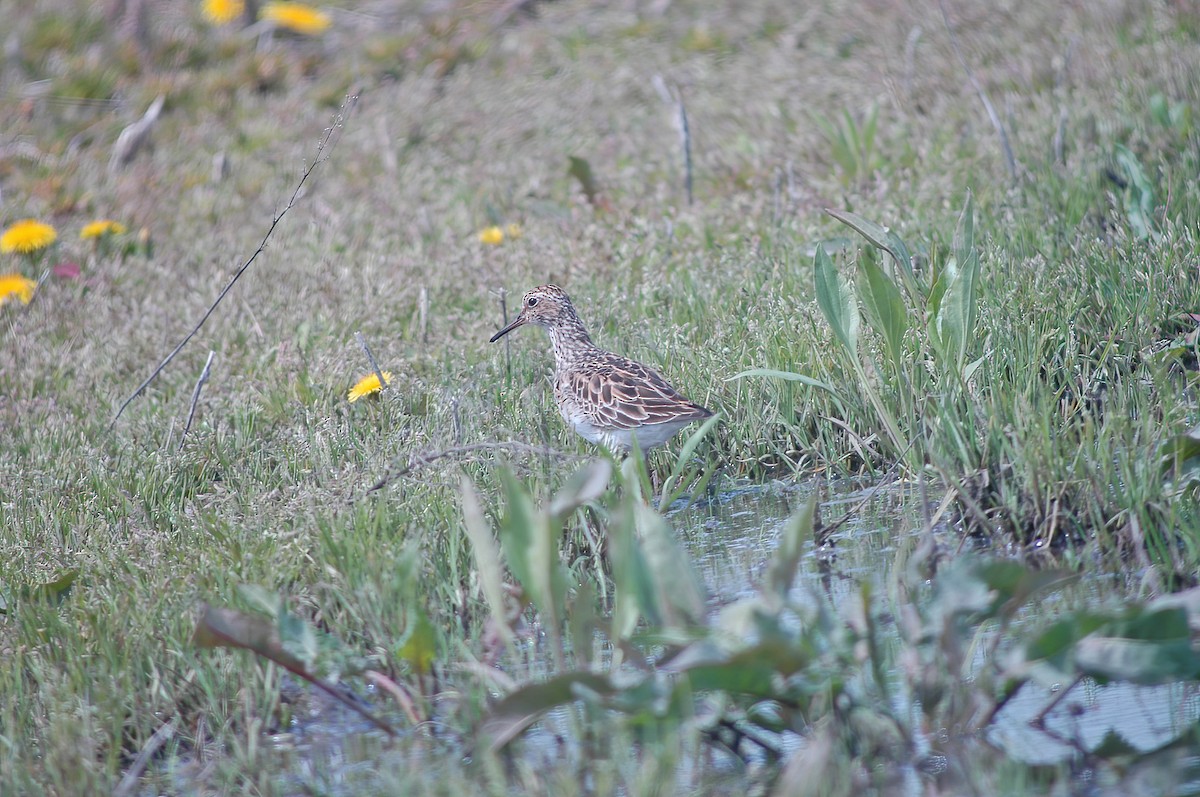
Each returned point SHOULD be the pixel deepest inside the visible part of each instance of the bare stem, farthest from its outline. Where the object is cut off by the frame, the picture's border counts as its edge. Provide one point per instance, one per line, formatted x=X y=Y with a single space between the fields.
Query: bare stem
x=362 y=342
x=326 y=143
x=196 y=397
x=507 y=339
x=1009 y=160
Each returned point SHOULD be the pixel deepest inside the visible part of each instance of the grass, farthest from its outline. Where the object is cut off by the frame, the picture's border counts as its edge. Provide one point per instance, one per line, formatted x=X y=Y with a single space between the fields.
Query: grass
x=462 y=123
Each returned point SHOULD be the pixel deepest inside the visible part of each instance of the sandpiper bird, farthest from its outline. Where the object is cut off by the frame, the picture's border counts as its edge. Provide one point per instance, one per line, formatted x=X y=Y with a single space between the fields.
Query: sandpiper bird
x=607 y=398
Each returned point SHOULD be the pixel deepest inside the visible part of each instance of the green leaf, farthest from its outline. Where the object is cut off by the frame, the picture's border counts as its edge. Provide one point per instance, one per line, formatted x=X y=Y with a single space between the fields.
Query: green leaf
x=755 y=678
x=531 y=550
x=581 y=170
x=227 y=628
x=1179 y=459
x=1139 y=661
x=267 y=601
x=964 y=233
x=522 y=707
x=487 y=558
x=781 y=571
x=586 y=485
x=667 y=497
x=1113 y=745
x=298 y=638
x=633 y=580
x=230 y=628
x=418 y=645
x=789 y=376
x=836 y=299
x=1013 y=584
x=885 y=307
x=882 y=238
x=679 y=592
x=1138 y=197
x=952 y=326
x=53 y=592
x=581 y=620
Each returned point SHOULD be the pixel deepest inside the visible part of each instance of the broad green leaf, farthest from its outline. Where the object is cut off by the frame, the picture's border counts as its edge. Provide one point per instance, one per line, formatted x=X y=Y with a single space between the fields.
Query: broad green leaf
x=1154 y=625
x=586 y=485
x=964 y=233
x=298 y=638
x=1179 y=458
x=267 y=601
x=227 y=628
x=781 y=571
x=1188 y=600
x=531 y=550
x=1138 y=196
x=679 y=591
x=755 y=677
x=633 y=580
x=836 y=299
x=1138 y=661
x=1013 y=583
x=581 y=620
x=882 y=238
x=487 y=557
x=51 y=591
x=581 y=170
x=522 y=707
x=952 y=325
x=418 y=645
x=971 y=368
x=1055 y=643
x=1113 y=745
x=885 y=308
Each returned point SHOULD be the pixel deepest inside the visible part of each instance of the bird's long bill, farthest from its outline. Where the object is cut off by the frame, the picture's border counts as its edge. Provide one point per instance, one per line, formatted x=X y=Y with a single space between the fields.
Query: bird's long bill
x=518 y=321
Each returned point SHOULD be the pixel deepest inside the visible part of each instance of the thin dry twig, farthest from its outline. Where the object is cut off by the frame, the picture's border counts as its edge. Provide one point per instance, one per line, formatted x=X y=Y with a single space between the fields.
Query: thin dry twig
x=129 y=780
x=673 y=96
x=135 y=136
x=420 y=460
x=196 y=397
x=507 y=339
x=326 y=143
x=685 y=141
x=825 y=532
x=1009 y=160
x=397 y=692
x=362 y=342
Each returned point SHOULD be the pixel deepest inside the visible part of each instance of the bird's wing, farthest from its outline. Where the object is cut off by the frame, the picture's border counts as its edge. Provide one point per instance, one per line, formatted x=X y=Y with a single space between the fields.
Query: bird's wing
x=623 y=394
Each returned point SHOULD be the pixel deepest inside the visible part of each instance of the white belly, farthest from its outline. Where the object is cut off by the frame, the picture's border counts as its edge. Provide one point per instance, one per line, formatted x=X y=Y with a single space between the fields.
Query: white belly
x=648 y=436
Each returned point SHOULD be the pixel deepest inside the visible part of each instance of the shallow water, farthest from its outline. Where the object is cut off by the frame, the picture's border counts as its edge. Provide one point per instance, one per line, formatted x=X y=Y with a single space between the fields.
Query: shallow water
x=729 y=539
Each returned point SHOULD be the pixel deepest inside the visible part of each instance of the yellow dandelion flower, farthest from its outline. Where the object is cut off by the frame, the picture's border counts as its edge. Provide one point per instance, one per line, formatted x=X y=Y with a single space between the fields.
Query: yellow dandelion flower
x=514 y=231
x=222 y=12
x=493 y=236
x=16 y=285
x=101 y=228
x=27 y=235
x=296 y=17
x=368 y=385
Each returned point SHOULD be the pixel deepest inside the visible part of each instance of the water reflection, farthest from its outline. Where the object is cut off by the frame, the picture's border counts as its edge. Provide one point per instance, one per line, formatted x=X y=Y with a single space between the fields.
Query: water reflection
x=730 y=537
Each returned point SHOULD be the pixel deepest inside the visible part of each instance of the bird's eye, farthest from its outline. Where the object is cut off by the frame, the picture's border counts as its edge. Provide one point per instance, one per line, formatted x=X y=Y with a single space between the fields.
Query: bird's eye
x=532 y=301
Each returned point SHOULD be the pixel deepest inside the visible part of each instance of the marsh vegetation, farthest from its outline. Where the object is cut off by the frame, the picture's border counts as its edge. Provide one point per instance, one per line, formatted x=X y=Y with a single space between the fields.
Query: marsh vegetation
x=934 y=269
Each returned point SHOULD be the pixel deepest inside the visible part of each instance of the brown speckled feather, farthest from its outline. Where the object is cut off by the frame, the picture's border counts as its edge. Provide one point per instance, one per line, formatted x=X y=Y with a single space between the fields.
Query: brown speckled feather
x=607 y=398
x=613 y=391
